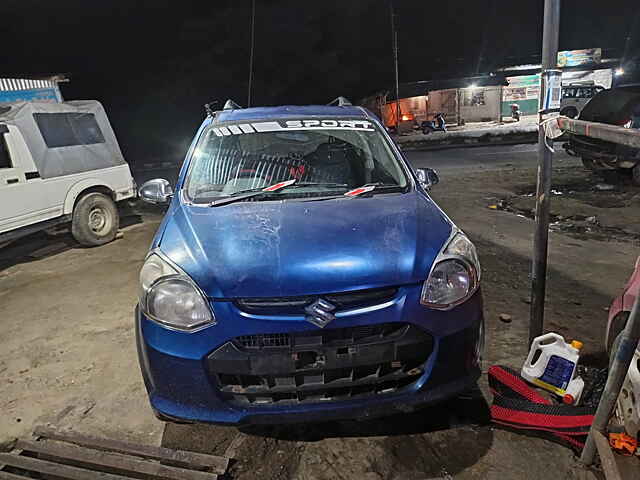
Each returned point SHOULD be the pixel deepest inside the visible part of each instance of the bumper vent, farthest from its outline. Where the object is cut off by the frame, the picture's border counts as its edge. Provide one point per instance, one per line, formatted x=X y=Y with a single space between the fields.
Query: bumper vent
x=267 y=340
x=328 y=365
x=332 y=337
x=296 y=305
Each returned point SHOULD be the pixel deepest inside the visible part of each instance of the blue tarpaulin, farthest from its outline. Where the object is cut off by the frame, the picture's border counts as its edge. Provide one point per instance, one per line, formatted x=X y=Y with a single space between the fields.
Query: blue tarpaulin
x=38 y=94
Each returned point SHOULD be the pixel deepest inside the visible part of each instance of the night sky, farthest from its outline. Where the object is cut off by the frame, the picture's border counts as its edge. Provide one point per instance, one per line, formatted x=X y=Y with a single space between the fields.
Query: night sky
x=153 y=64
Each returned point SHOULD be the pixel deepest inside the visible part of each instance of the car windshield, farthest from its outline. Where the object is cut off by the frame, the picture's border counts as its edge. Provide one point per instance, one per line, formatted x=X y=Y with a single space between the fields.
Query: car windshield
x=324 y=157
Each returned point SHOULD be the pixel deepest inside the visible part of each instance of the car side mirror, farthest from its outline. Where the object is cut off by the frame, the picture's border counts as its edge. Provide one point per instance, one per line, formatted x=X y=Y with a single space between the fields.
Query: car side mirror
x=427 y=177
x=157 y=191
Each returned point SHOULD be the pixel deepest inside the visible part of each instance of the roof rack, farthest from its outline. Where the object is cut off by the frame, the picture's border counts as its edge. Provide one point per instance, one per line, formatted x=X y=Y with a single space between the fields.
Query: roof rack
x=340 y=102
x=208 y=108
x=231 y=105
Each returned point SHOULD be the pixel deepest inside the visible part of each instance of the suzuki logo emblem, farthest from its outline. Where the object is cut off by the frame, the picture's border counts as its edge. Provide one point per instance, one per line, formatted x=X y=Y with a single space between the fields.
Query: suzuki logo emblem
x=319 y=313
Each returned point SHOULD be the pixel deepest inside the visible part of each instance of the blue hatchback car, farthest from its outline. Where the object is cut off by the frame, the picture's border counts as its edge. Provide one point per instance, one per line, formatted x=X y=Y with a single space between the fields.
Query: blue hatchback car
x=303 y=273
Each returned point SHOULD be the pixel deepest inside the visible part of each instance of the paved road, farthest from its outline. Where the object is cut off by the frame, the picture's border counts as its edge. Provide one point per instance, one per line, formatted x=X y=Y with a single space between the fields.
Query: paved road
x=481 y=157
x=498 y=156
x=142 y=176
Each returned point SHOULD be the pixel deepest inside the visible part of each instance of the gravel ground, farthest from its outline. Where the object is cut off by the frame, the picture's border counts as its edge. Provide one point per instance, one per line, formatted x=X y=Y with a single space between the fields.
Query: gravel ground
x=67 y=355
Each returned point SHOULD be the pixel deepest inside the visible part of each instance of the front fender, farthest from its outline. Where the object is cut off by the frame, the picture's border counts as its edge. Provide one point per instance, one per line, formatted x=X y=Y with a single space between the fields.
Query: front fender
x=80 y=186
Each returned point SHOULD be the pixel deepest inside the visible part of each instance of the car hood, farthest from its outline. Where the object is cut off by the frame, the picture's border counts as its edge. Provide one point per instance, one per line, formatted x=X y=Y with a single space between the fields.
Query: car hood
x=293 y=247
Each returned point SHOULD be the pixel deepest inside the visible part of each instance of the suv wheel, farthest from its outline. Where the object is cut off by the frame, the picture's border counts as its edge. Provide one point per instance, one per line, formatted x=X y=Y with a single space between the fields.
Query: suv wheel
x=571 y=112
x=95 y=220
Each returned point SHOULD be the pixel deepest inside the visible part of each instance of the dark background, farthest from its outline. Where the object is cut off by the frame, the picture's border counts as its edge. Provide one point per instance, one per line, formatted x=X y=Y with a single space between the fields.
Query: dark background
x=154 y=64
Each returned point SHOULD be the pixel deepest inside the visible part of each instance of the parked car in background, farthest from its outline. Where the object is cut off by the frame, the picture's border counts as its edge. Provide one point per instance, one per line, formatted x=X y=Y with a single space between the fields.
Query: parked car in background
x=60 y=162
x=303 y=273
x=628 y=406
x=617 y=106
x=575 y=97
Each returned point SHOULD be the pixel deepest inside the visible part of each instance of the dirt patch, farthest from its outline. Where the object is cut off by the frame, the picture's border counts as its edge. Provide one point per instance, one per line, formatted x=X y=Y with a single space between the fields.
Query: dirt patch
x=592 y=206
x=68 y=357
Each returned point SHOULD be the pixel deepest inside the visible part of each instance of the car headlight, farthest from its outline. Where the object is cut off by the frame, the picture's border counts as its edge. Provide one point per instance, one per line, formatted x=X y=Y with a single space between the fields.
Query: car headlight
x=455 y=275
x=169 y=296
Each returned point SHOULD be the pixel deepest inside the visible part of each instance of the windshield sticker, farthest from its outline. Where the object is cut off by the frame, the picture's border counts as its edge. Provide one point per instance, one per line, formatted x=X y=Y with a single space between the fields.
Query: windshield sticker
x=289 y=125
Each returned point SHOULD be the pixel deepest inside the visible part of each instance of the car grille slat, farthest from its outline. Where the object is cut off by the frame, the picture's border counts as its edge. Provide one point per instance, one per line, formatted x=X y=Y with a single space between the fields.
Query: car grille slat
x=329 y=337
x=320 y=366
x=374 y=378
x=296 y=305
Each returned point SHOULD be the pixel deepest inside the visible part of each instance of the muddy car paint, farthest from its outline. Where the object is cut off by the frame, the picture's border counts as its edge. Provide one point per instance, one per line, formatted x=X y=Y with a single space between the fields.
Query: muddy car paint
x=382 y=245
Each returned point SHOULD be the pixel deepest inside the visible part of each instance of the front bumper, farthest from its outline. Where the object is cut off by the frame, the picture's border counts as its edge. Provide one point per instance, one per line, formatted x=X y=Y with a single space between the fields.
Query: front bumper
x=189 y=377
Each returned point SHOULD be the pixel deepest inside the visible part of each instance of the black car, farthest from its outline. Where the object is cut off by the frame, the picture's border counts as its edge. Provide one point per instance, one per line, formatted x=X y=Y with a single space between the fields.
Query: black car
x=617 y=106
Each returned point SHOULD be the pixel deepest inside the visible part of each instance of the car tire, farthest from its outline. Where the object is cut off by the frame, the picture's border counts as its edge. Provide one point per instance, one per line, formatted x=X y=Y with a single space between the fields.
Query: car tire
x=588 y=163
x=626 y=406
x=635 y=174
x=95 y=220
x=570 y=112
x=617 y=325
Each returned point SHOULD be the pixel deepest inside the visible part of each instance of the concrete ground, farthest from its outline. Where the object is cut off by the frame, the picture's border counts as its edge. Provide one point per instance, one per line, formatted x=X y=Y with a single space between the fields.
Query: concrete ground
x=67 y=354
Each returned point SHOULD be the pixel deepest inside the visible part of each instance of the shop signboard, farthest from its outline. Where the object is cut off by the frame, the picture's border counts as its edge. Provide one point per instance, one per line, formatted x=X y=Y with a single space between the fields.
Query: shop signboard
x=572 y=58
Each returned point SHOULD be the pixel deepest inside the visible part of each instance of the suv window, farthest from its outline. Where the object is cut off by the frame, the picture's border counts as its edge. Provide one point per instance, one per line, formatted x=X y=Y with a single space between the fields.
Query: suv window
x=5 y=158
x=585 y=92
x=68 y=129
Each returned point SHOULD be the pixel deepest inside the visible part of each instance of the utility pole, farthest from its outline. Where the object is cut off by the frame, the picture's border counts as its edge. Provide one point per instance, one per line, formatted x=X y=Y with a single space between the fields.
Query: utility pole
x=394 y=39
x=485 y=33
x=253 y=27
x=545 y=157
x=627 y=44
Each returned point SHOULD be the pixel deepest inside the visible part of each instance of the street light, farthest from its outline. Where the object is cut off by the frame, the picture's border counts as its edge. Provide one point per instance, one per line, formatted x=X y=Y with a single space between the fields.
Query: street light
x=473 y=86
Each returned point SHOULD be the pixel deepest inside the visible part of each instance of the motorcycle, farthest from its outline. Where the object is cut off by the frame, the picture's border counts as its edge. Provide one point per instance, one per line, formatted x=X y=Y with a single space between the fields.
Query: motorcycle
x=436 y=125
x=515 y=112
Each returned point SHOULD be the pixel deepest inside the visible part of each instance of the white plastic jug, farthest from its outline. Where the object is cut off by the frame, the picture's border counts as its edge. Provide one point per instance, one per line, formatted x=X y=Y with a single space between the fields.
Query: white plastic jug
x=555 y=367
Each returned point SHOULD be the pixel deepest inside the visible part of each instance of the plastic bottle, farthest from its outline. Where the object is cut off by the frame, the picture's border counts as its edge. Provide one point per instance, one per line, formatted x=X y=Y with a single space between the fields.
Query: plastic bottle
x=574 y=391
x=555 y=367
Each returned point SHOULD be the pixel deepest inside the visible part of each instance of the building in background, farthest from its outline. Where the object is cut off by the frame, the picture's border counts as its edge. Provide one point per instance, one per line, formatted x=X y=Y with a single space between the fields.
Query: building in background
x=489 y=97
x=28 y=89
x=579 y=68
x=467 y=99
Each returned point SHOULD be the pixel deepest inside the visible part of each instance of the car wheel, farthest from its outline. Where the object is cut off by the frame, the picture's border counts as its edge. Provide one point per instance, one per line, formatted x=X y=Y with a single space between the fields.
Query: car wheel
x=570 y=112
x=588 y=163
x=627 y=405
x=95 y=220
x=617 y=325
x=635 y=174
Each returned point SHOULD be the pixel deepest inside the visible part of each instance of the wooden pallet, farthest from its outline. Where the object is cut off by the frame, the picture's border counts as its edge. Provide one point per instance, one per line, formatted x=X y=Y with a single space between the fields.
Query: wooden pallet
x=73 y=456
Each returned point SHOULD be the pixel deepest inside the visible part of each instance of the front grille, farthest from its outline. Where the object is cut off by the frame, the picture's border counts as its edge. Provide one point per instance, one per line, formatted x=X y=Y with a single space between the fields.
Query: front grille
x=296 y=305
x=320 y=366
x=330 y=337
x=266 y=340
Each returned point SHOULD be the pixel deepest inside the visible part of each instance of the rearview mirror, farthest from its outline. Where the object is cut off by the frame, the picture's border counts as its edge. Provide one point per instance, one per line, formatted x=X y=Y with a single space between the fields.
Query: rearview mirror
x=427 y=177
x=157 y=191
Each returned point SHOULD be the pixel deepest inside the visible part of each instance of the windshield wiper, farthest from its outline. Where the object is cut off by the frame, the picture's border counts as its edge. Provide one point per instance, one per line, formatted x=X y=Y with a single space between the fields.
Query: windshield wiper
x=277 y=187
x=320 y=184
x=252 y=192
x=369 y=187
